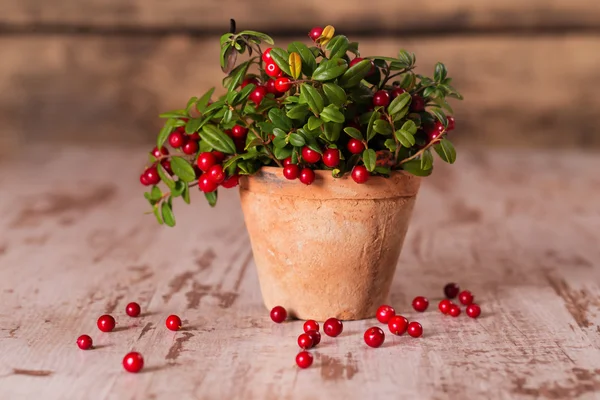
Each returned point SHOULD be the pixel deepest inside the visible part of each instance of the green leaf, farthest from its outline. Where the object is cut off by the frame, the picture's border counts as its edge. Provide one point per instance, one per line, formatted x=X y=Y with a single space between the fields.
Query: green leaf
x=156 y=212
x=408 y=81
x=335 y=94
x=399 y=103
x=155 y=193
x=426 y=160
x=440 y=72
x=212 y=198
x=309 y=62
x=182 y=168
x=414 y=167
x=382 y=127
x=353 y=48
x=446 y=151
x=313 y=98
x=370 y=128
x=259 y=35
x=225 y=37
x=405 y=135
x=244 y=93
x=354 y=133
x=165 y=177
x=265 y=126
x=296 y=140
x=410 y=127
x=202 y=102
x=217 y=139
x=167 y=214
x=228 y=57
x=355 y=74
x=178 y=188
x=282 y=153
x=337 y=46
x=280 y=141
x=186 y=193
x=299 y=112
x=332 y=131
x=214 y=106
x=383 y=170
x=390 y=144
x=406 y=58
x=281 y=58
x=174 y=114
x=332 y=114
x=165 y=132
x=280 y=120
x=237 y=76
x=330 y=69
x=314 y=122
x=369 y=159
x=192 y=125
x=439 y=115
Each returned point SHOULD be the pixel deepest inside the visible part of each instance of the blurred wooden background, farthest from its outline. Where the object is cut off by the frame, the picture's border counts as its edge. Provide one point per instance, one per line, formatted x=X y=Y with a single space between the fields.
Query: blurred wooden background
x=100 y=71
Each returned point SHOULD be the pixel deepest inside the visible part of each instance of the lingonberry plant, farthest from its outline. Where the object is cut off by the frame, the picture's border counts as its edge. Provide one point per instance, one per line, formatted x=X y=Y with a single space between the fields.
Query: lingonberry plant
x=302 y=108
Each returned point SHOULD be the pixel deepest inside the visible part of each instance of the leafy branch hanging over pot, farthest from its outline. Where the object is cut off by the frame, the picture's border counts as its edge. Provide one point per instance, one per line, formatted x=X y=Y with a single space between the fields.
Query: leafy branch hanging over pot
x=302 y=108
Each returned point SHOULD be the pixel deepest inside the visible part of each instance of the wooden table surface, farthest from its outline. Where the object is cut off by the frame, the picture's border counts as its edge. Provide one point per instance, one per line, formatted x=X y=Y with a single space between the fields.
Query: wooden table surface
x=520 y=230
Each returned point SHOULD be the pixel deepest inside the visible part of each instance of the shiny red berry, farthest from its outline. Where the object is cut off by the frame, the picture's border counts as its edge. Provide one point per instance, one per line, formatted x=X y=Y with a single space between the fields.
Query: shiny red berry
x=315 y=33
x=316 y=337
x=381 y=98
x=374 y=337
x=355 y=146
x=385 y=313
x=190 y=147
x=133 y=309
x=304 y=359
x=258 y=94
x=278 y=314
x=239 y=132
x=444 y=306
x=270 y=86
x=333 y=327
x=216 y=174
x=152 y=176
x=435 y=130
x=305 y=341
x=144 y=180
x=417 y=103
x=240 y=145
x=307 y=176
x=465 y=297
x=266 y=55
x=272 y=69
x=157 y=154
x=359 y=59
x=177 y=139
x=218 y=156
x=451 y=290
x=396 y=92
x=133 y=362
x=473 y=310
x=291 y=171
x=311 y=325
x=173 y=323
x=206 y=160
x=310 y=156
x=283 y=84
x=231 y=182
x=287 y=161
x=194 y=136
x=166 y=164
x=415 y=329
x=450 y=123
x=206 y=184
x=249 y=81
x=398 y=325
x=106 y=323
x=420 y=303
x=331 y=158
x=84 y=342
x=454 y=310
x=360 y=174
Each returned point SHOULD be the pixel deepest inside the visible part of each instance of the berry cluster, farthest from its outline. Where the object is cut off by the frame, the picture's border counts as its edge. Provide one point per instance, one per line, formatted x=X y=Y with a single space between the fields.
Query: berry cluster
x=133 y=361
x=465 y=297
x=308 y=107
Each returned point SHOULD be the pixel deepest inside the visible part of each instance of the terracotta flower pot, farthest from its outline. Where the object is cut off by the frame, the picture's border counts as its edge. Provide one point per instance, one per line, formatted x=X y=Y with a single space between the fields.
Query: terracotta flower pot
x=329 y=249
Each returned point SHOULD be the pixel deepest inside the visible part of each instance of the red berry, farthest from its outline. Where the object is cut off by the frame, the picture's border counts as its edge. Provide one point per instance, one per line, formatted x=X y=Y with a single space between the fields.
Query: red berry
x=166 y=164
x=304 y=359
x=360 y=174
x=454 y=310
x=143 y=179
x=311 y=325
x=230 y=182
x=287 y=161
x=206 y=184
x=451 y=290
x=359 y=59
x=385 y=313
x=271 y=88
x=291 y=171
x=310 y=156
x=333 y=327
x=206 y=160
x=374 y=337
x=420 y=303
x=272 y=69
x=239 y=132
x=444 y=306
x=173 y=323
x=266 y=55
x=381 y=98
x=305 y=341
x=315 y=336
x=307 y=176
x=417 y=103
x=315 y=33
x=84 y=342
x=398 y=325
x=240 y=144
x=415 y=329
x=133 y=362
x=278 y=314
x=194 y=136
x=465 y=297
x=249 y=81
x=106 y=323
x=157 y=154
x=331 y=158
x=133 y=309
x=176 y=139
x=397 y=92
x=218 y=156
x=473 y=310
x=450 y=123
x=435 y=130
x=216 y=174
x=152 y=176
x=258 y=94
x=190 y=147
x=355 y=146
x=283 y=84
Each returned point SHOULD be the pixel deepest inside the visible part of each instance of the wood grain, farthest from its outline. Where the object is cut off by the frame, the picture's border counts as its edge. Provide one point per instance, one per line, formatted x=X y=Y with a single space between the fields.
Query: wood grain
x=531 y=91
x=519 y=229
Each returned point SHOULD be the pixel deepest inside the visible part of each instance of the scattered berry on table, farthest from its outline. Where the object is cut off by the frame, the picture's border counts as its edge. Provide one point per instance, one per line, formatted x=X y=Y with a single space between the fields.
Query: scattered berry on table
x=398 y=325
x=304 y=359
x=133 y=309
x=415 y=329
x=454 y=310
x=420 y=303
x=444 y=306
x=278 y=314
x=465 y=297
x=315 y=336
x=473 y=310
x=133 y=362
x=173 y=323
x=374 y=337
x=451 y=290
x=385 y=313
x=333 y=327
x=106 y=323
x=84 y=342
x=311 y=325
x=305 y=341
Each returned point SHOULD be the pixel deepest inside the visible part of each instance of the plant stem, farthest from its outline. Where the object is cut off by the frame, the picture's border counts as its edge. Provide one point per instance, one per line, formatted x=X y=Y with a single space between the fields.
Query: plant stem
x=420 y=152
x=251 y=128
x=405 y=70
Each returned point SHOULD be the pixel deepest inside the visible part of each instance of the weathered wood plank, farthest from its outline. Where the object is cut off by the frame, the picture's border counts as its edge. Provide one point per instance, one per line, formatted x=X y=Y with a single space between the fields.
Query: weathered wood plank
x=519 y=91
x=79 y=246
x=377 y=15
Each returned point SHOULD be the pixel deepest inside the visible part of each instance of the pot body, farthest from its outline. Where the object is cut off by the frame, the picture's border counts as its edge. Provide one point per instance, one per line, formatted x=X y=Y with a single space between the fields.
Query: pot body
x=329 y=249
